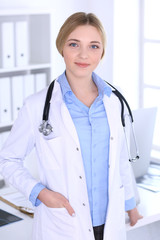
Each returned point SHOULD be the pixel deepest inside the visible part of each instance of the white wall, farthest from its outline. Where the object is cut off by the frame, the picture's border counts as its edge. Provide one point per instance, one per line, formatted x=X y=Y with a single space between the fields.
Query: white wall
x=126 y=48
x=24 y=3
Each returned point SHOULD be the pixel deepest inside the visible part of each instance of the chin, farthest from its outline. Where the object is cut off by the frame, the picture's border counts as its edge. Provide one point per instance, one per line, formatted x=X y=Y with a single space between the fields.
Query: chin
x=83 y=72
x=83 y=75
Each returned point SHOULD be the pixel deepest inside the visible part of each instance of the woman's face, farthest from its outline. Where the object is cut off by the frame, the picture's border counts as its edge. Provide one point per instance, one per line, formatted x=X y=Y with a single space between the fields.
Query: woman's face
x=82 y=51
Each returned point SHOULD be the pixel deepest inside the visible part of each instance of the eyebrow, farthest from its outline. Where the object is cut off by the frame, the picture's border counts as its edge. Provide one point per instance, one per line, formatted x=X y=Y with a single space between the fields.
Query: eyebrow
x=76 y=40
x=96 y=42
x=73 y=40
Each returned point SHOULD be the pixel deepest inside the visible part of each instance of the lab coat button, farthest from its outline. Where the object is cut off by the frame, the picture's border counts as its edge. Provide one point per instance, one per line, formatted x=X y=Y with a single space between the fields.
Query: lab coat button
x=112 y=138
x=84 y=204
x=80 y=177
x=89 y=230
x=77 y=149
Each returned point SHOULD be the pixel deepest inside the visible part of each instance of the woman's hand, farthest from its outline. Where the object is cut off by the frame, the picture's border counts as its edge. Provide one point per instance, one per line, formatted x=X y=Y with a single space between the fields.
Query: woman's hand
x=134 y=216
x=55 y=200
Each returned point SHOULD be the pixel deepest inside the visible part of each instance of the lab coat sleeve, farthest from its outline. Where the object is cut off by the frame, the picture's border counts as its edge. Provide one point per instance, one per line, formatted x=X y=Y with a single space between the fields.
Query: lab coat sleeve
x=18 y=145
x=130 y=204
x=34 y=194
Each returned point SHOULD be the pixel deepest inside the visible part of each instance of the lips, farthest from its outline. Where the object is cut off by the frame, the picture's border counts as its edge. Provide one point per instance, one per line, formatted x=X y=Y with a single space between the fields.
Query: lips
x=82 y=65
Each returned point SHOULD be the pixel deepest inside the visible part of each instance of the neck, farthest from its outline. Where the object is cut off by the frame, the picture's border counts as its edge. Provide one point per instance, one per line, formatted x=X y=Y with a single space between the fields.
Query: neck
x=81 y=84
x=83 y=88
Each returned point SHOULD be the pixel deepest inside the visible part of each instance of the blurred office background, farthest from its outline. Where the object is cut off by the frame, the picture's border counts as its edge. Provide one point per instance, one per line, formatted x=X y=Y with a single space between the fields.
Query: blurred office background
x=131 y=62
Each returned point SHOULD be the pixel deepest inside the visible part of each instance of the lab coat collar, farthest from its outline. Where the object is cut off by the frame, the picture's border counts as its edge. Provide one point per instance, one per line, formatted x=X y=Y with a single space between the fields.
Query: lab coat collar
x=103 y=87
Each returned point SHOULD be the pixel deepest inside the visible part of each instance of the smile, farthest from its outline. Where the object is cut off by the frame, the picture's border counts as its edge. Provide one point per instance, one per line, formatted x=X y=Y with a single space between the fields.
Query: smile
x=82 y=65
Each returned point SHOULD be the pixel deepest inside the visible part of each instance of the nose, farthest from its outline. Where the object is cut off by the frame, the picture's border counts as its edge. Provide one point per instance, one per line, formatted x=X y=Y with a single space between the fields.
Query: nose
x=83 y=53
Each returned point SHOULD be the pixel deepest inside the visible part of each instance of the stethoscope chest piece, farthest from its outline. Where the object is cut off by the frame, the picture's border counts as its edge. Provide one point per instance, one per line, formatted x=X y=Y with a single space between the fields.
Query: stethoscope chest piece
x=45 y=128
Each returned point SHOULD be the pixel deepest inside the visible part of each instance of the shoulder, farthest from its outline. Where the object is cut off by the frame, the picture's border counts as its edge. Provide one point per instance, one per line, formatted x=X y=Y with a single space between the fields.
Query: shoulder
x=37 y=97
x=33 y=105
x=36 y=101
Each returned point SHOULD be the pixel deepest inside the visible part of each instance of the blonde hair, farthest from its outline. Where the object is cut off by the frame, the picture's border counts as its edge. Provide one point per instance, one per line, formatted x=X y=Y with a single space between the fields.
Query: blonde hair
x=75 y=20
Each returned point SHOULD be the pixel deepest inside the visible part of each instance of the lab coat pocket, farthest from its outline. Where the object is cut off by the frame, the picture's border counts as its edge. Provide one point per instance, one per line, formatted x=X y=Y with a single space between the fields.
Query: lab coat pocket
x=51 y=136
x=60 y=222
x=51 y=152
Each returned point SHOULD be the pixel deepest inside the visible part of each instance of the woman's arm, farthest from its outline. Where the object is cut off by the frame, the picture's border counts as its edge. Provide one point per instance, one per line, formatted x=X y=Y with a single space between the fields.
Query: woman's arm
x=126 y=175
x=19 y=144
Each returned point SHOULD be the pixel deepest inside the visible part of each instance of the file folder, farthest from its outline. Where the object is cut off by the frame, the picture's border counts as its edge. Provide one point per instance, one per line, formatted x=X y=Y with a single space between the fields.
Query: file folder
x=40 y=79
x=17 y=95
x=5 y=100
x=7 y=45
x=21 y=39
x=29 y=87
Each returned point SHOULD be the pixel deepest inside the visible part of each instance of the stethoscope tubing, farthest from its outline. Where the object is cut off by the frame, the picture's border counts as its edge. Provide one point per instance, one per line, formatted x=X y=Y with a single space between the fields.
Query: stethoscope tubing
x=121 y=99
x=45 y=127
x=47 y=102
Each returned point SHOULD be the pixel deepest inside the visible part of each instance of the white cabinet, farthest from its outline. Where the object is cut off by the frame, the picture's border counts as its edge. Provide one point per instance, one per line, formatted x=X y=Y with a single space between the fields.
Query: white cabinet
x=25 y=55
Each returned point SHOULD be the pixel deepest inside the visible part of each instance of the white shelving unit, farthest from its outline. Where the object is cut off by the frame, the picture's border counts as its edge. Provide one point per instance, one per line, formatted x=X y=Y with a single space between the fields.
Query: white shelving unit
x=38 y=40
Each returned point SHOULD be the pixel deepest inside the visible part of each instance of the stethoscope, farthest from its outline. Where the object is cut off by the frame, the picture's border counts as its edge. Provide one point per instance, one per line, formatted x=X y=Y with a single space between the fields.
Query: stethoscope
x=45 y=127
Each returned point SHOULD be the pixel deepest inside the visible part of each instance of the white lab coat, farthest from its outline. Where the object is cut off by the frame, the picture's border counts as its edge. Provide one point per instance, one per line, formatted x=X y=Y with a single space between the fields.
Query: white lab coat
x=61 y=169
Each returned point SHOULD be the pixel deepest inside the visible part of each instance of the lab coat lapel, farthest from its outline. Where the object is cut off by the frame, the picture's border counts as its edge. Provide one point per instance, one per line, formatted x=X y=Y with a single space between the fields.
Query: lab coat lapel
x=110 y=107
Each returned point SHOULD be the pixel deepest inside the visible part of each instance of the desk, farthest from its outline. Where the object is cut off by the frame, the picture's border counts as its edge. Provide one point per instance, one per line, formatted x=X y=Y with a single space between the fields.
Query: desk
x=149 y=208
x=21 y=230
x=149 y=227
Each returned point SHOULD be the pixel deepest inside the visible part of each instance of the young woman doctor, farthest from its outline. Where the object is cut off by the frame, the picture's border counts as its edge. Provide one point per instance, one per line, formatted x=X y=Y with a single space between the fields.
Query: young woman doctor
x=85 y=182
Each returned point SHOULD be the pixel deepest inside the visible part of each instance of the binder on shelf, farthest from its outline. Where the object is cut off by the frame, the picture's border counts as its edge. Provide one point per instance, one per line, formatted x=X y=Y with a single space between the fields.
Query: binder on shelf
x=21 y=40
x=41 y=81
x=5 y=100
x=7 y=45
x=28 y=85
x=17 y=95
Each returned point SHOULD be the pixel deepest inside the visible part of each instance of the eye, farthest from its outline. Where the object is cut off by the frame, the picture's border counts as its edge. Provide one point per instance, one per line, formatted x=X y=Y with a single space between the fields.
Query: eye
x=73 y=45
x=94 y=46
